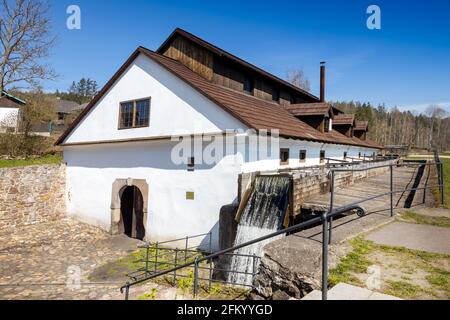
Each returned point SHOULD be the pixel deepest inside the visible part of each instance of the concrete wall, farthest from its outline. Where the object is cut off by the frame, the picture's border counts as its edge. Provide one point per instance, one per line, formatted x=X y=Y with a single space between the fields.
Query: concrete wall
x=31 y=195
x=315 y=180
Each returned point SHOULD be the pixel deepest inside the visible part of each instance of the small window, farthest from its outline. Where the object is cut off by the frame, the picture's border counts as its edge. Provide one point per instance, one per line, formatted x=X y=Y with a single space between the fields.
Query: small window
x=248 y=85
x=326 y=125
x=275 y=95
x=322 y=156
x=191 y=164
x=302 y=155
x=134 y=114
x=345 y=155
x=284 y=156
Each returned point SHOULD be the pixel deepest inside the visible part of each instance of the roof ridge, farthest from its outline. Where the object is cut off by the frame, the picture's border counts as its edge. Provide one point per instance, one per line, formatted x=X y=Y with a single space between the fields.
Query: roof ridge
x=221 y=51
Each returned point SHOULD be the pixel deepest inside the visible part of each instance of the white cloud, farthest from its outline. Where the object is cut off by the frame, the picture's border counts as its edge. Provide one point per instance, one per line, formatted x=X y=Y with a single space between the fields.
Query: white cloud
x=420 y=108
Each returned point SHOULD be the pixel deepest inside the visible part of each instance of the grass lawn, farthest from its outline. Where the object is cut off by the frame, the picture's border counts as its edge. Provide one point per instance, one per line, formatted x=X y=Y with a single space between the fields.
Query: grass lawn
x=404 y=273
x=446 y=163
x=412 y=217
x=48 y=159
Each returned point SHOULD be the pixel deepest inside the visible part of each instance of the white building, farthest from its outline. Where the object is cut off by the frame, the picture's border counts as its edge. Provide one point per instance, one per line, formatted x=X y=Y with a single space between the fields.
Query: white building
x=9 y=112
x=123 y=154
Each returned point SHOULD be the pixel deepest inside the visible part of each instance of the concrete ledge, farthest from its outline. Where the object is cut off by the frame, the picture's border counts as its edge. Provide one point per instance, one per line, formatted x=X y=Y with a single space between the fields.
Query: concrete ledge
x=343 y=291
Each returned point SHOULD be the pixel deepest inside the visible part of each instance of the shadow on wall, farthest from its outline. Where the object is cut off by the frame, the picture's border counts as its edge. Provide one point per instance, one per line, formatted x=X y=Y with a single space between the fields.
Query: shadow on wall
x=146 y=154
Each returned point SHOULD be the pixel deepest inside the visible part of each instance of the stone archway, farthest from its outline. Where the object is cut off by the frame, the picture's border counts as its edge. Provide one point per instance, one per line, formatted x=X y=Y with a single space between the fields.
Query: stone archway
x=118 y=188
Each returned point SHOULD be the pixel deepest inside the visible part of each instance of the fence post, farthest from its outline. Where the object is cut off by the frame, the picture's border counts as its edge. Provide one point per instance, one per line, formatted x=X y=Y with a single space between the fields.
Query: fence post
x=195 y=277
x=176 y=265
x=253 y=267
x=442 y=181
x=156 y=257
x=210 y=262
x=146 y=258
x=331 y=206
x=127 y=292
x=324 y=256
x=186 y=249
x=391 y=167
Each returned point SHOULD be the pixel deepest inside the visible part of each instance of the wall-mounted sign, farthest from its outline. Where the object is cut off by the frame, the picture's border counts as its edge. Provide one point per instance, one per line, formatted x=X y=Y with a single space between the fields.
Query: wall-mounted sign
x=190 y=195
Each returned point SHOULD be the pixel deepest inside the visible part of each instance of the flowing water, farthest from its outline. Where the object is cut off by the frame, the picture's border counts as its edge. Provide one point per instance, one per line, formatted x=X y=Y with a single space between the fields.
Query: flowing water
x=264 y=214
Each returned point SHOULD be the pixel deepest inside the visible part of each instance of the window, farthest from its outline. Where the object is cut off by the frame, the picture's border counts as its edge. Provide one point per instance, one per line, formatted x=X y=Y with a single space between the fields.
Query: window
x=248 y=85
x=191 y=163
x=134 y=114
x=302 y=156
x=322 y=156
x=275 y=95
x=326 y=125
x=284 y=156
x=345 y=155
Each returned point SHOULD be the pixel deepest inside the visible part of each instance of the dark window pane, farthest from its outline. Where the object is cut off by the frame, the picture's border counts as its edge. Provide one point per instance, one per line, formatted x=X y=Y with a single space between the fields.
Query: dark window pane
x=142 y=113
x=126 y=115
x=284 y=156
x=322 y=156
x=302 y=155
x=248 y=85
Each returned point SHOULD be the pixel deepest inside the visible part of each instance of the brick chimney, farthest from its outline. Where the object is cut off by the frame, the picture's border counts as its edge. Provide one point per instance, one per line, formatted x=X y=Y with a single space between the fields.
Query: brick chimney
x=322 y=81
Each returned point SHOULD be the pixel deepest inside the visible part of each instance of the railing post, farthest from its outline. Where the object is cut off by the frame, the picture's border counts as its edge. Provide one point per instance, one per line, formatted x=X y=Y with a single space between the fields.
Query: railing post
x=331 y=206
x=146 y=258
x=176 y=265
x=253 y=267
x=127 y=292
x=195 y=277
x=324 y=256
x=186 y=249
x=391 y=167
x=441 y=167
x=156 y=257
x=210 y=262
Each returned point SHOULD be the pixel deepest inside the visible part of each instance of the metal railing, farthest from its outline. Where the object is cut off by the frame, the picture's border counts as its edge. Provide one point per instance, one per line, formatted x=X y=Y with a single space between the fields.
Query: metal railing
x=165 y=255
x=325 y=219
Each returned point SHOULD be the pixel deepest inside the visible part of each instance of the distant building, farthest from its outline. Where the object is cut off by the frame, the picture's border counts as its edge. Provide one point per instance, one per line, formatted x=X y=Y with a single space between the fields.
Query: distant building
x=9 y=112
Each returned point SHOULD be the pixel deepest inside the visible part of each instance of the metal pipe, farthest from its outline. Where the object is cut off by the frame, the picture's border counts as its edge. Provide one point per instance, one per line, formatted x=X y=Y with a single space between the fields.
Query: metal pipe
x=195 y=277
x=156 y=257
x=442 y=182
x=392 y=189
x=324 y=256
x=175 y=271
x=331 y=207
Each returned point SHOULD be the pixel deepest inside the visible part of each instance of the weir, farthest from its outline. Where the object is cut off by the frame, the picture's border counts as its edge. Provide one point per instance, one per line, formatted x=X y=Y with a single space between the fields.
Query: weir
x=264 y=213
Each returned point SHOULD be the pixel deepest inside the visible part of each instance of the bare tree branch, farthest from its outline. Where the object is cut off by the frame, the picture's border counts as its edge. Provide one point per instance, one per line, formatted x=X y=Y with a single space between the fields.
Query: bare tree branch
x=25 y=41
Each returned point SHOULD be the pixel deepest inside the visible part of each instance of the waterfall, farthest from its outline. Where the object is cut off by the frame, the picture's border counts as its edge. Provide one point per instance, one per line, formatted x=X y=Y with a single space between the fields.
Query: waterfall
x=264 y=213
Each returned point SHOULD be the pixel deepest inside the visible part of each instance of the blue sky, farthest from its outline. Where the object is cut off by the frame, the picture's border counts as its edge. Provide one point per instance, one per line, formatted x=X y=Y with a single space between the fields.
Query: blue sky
x=405 y=64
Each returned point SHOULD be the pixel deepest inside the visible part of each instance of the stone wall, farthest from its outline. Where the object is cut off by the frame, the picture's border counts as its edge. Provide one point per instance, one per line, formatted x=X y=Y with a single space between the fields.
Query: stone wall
x=30 y=195
x=311 y=181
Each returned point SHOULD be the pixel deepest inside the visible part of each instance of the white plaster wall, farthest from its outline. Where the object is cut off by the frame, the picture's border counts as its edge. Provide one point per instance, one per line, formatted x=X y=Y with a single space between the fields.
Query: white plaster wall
x=9 y=117
x=92 y=170
x=176 y=108
x=267 y=161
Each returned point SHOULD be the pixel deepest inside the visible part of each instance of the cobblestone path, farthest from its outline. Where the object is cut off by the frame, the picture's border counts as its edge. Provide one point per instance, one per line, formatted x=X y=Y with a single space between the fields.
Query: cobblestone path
x=53 y=260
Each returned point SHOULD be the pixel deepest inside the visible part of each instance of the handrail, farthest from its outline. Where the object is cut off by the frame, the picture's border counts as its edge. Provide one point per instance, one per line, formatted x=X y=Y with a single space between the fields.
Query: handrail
x=326 y=220
x=294 y=228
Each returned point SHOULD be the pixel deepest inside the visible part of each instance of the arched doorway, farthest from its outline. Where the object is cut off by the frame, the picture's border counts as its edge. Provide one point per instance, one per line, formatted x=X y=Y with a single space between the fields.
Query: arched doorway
x=132 y=212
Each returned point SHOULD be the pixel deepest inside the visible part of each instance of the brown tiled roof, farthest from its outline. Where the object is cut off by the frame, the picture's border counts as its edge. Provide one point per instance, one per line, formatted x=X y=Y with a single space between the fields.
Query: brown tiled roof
x=361 y=125
x=253 y=112
x=310 y=109
x=223 y=53
x=341 y=119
